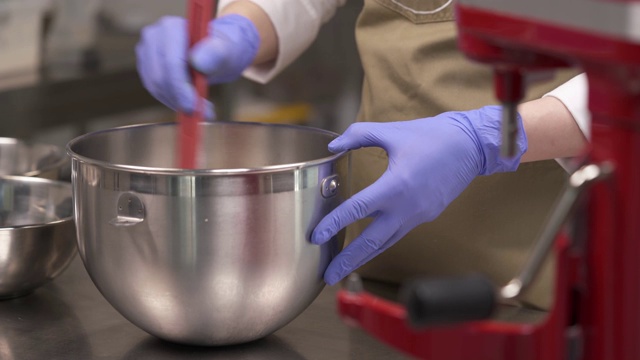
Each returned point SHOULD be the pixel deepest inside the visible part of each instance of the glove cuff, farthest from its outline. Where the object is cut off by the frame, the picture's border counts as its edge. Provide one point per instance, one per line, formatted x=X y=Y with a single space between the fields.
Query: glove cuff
x=488 y=126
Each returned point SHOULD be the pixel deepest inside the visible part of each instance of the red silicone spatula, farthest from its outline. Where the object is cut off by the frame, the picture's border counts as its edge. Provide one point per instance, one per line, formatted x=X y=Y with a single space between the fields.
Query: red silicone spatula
x=199 y=13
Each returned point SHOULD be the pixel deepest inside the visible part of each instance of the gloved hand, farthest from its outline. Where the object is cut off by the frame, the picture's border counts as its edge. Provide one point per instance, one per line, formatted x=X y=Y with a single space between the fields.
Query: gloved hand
x=431 y=161
x=163 y=58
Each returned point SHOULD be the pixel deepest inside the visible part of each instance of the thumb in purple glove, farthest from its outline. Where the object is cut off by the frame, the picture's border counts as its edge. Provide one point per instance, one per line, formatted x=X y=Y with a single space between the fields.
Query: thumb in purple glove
x=431 y=161
x=232 y=48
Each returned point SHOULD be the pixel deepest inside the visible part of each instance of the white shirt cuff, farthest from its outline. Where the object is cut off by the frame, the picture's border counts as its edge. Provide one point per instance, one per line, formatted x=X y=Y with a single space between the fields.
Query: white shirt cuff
x=574 y=95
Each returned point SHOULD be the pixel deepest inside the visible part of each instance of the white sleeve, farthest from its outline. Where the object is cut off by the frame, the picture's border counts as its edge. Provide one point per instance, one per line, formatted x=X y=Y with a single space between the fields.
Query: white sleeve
x=574 y=95
x=297 y=23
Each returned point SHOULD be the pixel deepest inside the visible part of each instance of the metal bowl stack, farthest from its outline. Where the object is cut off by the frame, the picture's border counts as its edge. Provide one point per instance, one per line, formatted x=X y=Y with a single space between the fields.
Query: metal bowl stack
x=37 y=234
x=45 y=161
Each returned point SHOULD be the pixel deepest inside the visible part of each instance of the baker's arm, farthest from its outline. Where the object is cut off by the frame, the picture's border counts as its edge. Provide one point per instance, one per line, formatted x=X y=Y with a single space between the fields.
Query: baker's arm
x=557 y=125
x=293 y=26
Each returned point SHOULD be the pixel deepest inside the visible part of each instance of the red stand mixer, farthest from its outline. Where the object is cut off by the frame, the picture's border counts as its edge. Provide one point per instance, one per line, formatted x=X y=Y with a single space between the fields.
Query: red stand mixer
x=596 y=312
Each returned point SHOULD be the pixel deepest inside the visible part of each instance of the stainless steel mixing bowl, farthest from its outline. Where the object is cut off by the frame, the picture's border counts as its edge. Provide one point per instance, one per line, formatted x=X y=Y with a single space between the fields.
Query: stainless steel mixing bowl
x=213 y=256
x=37 y=233
x=18 y=157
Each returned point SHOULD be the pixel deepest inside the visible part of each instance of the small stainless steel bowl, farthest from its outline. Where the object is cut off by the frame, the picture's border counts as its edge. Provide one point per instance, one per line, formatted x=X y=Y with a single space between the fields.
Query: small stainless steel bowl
x=37 y=233
x=21 y=158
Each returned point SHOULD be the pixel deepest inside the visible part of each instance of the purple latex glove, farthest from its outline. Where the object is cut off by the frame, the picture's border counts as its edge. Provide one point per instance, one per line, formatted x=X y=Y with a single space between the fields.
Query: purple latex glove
x=431 y=161
x=164 y=68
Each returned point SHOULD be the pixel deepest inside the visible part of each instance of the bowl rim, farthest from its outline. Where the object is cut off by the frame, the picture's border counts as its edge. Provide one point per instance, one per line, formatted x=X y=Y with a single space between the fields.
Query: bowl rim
x=178 y=171
x=29 y=179
x=35 y=173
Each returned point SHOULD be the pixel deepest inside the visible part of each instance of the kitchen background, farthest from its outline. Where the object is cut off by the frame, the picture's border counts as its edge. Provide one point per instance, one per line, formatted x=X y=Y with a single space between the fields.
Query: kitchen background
x=67 y=67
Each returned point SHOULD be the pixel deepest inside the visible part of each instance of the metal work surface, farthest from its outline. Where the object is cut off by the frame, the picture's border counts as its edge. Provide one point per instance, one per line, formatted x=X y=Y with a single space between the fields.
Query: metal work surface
x=69 y=319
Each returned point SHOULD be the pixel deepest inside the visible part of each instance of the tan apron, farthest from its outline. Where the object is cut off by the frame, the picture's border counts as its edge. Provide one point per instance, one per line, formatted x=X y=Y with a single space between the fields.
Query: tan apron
x=413 y=69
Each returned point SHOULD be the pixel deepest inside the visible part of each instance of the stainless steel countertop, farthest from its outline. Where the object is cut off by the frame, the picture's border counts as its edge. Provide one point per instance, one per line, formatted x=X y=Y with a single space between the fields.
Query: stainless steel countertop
x=69 y=319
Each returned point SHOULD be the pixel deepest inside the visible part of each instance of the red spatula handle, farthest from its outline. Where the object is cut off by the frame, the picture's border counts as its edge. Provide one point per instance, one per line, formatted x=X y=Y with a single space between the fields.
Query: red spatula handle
x=200 y=12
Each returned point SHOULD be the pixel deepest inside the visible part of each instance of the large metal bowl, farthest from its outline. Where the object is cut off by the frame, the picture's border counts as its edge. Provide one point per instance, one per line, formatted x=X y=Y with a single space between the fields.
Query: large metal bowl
x=22 y=158
x=37 y=233
x=213 y=256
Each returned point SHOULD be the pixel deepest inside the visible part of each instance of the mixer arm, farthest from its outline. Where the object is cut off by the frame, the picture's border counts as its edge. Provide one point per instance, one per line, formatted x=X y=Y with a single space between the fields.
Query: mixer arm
x=438 y=301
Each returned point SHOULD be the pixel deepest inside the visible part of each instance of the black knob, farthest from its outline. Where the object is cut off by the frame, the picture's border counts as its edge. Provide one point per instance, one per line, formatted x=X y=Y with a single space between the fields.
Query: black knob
x=447 y=301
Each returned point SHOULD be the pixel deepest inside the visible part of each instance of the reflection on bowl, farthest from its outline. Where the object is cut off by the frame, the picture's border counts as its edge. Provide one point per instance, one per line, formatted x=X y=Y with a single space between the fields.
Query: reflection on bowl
x=37 y=234
x=30 y=159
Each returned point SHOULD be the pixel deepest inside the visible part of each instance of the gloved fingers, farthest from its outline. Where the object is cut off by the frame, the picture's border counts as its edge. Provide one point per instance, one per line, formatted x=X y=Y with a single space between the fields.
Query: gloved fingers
x=209 y=111
x=149 y=68
x=360 y=135
x=369 y=243
x=207 y=56
x=359 y=206
x=148 y=63
x=402 y=231
x=177 y=80
x=207 y=106
x=392 y=240
x=232 y=47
